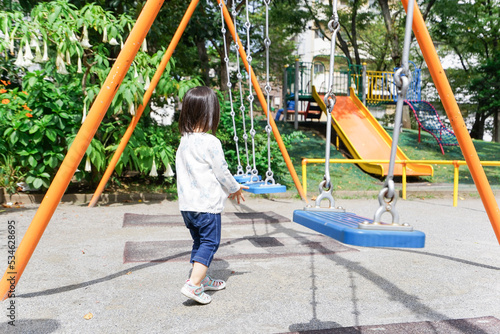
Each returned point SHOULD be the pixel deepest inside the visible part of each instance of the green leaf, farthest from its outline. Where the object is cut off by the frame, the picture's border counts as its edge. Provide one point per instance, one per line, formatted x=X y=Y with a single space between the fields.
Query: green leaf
x=52 y=162
x=32 y=81
x=8 y=131
x=34 y=129
x=14 y=137
x=51 y=134
x=32 y=161
x=37 y=183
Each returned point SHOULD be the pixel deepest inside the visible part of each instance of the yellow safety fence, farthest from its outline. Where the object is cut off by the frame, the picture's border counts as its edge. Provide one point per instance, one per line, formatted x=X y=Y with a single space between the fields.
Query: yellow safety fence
x=455 y=163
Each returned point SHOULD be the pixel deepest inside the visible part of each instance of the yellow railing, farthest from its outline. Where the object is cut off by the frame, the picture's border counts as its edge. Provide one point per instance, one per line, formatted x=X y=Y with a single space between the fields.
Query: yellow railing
x=380 y=85
x=456 y=164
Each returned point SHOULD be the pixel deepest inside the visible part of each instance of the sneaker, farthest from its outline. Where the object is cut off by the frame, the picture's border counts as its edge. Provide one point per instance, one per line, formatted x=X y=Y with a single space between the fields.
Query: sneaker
x=212 y=284
x=196 y=293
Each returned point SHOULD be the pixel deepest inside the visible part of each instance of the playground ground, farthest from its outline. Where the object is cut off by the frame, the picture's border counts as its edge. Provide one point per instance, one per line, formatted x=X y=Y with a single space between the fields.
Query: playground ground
x=281 y=277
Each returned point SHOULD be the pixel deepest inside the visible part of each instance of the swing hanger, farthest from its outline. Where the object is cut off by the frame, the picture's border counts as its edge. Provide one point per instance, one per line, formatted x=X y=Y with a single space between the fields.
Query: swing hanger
x=387 y=196
x=325 y=186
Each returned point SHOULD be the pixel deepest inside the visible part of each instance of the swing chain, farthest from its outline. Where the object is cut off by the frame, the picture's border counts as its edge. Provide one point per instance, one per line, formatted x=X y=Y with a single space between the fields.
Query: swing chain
x=242 y=104
x=267 y=42
x=388 y=197
x=229 y=86
x=402 y=79
x=254 y=173
x=334 y=23
x=325 y=187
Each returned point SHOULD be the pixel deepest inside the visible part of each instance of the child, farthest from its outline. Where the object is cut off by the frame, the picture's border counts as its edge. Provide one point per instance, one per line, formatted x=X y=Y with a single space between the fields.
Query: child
x=203 y=184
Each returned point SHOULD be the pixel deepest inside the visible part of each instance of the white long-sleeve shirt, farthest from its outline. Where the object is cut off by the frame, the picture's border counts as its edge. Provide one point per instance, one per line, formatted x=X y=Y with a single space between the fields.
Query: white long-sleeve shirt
x=203 y=178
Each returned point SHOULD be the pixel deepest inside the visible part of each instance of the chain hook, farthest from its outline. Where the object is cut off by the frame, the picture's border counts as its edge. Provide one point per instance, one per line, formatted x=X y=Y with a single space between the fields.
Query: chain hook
x=325 y=190
x=386 y=206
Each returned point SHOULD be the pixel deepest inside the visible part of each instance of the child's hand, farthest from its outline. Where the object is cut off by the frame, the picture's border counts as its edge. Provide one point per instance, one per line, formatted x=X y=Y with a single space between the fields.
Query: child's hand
x=239 y=194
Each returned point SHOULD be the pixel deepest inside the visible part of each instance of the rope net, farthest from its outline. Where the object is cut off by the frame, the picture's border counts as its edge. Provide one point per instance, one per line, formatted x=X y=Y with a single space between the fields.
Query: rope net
x=429 y=120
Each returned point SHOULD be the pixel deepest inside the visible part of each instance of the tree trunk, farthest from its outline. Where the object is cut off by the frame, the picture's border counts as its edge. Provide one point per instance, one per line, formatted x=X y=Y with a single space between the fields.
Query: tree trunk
x=344 y=47
x=354 y=34
x=203 y=55
x=477 y=131
x=496 y=127
x=392 y=35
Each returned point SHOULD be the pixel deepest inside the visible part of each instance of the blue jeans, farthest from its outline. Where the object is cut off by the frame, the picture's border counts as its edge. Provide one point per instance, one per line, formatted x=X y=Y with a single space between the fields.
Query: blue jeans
x=205 y=229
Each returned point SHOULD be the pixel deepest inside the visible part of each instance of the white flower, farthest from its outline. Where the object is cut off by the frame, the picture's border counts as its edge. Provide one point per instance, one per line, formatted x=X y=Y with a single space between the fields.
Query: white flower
x=84 y=111
x=73 y=38
x=140 y=79
x=88 y=166
x=113 y=41
x=131 y=109
x=144 y=46
x=33 y=41
x=27 y=52
x=11 y=46
x=79 y=70
x=105 y=35
x=169 y=172
x=20 y=58
x=153 y=172
x=121 y=43
x=27 y=63
x=7 y=38
x=38 y=54
x=45 y=52
x=85 y=39
x=147 y=84
x=68 y=58
x=61 y=66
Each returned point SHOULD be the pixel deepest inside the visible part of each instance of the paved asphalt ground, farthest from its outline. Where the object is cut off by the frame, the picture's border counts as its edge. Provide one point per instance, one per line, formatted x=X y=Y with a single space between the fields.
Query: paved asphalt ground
x=281 y=277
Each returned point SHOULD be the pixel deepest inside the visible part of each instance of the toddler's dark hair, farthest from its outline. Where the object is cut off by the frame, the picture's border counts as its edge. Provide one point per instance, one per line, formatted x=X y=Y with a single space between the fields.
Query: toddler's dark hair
x=200 y=111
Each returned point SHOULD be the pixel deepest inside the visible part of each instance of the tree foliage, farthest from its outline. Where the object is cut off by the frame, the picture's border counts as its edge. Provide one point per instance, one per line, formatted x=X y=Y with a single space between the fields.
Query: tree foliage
x=53 y=63
x=469 y=29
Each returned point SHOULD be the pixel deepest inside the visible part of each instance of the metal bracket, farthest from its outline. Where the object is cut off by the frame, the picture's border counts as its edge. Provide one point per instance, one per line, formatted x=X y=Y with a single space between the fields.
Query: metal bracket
x=386 y=205
x=325 y=193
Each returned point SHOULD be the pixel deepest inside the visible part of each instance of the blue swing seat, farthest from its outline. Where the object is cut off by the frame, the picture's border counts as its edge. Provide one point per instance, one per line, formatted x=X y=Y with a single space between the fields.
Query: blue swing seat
x=244 y=178
x=343 y=226
x=261 y=188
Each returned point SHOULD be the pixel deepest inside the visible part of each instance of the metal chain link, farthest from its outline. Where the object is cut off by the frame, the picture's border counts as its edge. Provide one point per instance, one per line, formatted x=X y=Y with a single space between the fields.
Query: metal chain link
x=254 y=174
x=229 y=86
x=402 y=79
x=325 y=186
x=267 y=88
x=242 y=101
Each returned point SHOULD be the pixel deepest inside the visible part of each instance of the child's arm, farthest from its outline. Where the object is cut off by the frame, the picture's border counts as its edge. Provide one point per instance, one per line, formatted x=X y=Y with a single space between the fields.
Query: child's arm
x=238 y=194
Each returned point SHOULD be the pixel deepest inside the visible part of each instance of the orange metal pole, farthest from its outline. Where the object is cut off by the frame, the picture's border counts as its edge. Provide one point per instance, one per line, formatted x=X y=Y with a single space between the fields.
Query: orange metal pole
x=263 y=103
x=450 y=105
x=145 y=100
x=78 y=148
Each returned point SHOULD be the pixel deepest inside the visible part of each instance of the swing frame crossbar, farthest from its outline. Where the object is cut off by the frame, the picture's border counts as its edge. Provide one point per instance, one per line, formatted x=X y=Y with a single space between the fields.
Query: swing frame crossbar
x=115 y=77
x=344 y=227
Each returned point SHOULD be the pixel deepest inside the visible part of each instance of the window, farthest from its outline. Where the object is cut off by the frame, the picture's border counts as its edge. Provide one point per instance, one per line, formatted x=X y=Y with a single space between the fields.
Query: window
x=319 y=68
